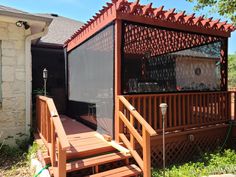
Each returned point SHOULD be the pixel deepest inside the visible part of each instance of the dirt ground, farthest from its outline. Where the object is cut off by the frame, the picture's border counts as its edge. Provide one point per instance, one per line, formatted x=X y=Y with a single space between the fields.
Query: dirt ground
x=14 y=166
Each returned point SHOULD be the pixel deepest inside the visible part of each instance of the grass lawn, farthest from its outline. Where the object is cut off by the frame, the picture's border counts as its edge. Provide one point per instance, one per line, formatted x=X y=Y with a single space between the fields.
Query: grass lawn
x=208 y=164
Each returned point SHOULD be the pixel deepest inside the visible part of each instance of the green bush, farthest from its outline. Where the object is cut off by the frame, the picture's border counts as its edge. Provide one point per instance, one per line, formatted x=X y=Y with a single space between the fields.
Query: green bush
x=208 y=164
x=232 y=70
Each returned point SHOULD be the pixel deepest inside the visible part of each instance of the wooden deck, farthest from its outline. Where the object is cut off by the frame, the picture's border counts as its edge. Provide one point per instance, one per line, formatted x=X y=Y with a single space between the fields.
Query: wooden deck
x=83 y=140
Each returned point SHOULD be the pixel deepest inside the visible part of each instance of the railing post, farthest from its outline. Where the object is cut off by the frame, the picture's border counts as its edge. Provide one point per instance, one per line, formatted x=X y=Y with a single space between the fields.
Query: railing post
x=53 y=145
x=118 y=123
x=229 y=111
x=37 y=114
x=61 y=161
x=117 y=120
x=146 y=153
x=132 y=142
x=234 y=102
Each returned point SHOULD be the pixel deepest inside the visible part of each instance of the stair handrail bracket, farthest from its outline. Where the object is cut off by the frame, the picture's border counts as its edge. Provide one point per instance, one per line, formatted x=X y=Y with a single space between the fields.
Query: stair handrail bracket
x=52 y=133
x=138 y=131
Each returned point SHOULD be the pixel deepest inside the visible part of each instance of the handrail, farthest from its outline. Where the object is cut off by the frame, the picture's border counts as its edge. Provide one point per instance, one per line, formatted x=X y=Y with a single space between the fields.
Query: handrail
x=143 y=138
x=179 y=93
x=58 y=125
x=50 y=129
x=135 y=113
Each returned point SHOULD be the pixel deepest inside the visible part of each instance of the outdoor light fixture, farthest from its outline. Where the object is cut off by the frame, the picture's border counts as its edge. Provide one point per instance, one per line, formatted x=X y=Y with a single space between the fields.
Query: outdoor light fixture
x=22 y=23
x=163 y=107
x=45 y=77
x=19 y=24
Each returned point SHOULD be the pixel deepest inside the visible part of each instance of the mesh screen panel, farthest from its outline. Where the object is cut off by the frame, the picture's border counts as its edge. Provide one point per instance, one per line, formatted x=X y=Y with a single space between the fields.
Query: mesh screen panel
x=91 y=79
x=163 y=60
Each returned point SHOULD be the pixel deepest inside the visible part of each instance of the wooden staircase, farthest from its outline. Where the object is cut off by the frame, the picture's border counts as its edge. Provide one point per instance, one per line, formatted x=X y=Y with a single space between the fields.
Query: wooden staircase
x=104 y=159
x=94 y=164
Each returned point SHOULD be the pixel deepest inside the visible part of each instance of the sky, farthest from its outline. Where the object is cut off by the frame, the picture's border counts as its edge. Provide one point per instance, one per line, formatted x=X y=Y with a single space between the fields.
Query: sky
x=83 y=10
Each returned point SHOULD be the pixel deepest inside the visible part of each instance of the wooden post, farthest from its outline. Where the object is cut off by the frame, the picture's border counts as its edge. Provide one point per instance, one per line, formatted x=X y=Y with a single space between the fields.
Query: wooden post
x=146 y=154
x=234 y=99
x=53 y=146
x=132 y=142
x=61 y=161
x=117 y=48
x=229 y=106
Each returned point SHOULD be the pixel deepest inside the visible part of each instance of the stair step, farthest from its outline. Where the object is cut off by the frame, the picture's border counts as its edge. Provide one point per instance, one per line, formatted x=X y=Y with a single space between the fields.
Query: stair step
x=125 y=171
x=94 y=161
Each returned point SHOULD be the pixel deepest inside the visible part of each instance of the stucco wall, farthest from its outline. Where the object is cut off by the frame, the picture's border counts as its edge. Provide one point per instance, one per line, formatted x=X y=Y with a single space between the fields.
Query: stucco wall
x=12 y=110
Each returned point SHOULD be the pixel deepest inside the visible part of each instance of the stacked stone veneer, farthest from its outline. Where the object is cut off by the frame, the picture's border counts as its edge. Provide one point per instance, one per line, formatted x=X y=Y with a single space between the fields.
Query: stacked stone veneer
x=12 y=109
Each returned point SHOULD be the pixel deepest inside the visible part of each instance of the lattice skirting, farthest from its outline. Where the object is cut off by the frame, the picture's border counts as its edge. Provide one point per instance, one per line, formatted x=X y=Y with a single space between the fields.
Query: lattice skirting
x=185 y=146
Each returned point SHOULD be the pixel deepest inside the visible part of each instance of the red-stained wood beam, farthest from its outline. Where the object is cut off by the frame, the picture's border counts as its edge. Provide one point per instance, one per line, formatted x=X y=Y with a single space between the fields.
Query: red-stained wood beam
x=118 y=38
x=107 y=17
x=133 y=11
x=171 y=25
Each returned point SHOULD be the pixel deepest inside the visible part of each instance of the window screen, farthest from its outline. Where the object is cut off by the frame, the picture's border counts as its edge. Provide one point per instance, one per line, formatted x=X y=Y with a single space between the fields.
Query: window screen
x=91 y=79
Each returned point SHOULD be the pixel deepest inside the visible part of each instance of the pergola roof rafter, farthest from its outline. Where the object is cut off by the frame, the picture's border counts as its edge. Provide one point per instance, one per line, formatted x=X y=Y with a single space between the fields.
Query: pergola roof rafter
x=134 y=11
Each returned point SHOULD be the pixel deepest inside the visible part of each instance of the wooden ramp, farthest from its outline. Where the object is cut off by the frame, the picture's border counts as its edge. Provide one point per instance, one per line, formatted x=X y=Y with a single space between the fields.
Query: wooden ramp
x=83 y=140
x=90 y=154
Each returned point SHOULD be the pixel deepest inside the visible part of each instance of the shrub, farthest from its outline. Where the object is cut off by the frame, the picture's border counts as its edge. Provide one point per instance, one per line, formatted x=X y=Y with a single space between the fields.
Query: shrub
x=208 y=164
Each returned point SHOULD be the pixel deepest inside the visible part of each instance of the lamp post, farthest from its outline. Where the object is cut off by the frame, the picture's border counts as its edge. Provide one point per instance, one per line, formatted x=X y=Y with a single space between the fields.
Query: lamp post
x=45 y=77
x=163 y=107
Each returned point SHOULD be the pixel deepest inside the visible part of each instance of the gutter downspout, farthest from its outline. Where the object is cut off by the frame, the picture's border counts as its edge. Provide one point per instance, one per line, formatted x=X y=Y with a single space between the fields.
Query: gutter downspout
x=28 y=77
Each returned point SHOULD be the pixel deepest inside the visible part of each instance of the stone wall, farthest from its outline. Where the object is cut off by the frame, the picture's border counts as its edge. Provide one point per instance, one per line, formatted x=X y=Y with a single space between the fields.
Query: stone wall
x=12 y=109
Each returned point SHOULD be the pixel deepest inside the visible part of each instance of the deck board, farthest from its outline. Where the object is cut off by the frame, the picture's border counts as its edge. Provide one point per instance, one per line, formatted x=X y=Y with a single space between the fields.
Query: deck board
x=84 y=141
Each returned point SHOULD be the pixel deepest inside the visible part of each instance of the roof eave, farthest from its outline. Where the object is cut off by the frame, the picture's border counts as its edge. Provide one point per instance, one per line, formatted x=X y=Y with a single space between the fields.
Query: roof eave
x=26 y=16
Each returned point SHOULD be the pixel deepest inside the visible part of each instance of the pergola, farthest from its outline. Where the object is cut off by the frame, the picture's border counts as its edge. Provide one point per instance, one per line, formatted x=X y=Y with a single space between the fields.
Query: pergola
x=140 y=28
x=131 y=36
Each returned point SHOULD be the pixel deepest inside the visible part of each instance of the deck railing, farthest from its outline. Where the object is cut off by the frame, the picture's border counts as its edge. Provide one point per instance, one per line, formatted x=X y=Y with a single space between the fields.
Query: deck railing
x=128 y=117
x=185 y=110
x=233 y=104
x=52 y=133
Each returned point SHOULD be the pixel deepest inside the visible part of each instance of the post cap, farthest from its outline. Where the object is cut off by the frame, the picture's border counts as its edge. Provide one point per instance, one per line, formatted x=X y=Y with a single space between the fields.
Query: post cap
x=163 y=105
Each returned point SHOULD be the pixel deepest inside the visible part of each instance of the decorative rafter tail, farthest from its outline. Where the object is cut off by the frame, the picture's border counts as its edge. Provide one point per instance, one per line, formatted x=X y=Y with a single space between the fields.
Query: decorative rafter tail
x=169 y=13
x=147 y=9
x=109 y=4
x=134 y=6
x=228 y=27
x=189 y=18
x=213 y=23
x=221 y=24
x=179 y=15
x=119 y=4
x=197 y=20
x=158 y=11
x=114 y=1
x=205 y=22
